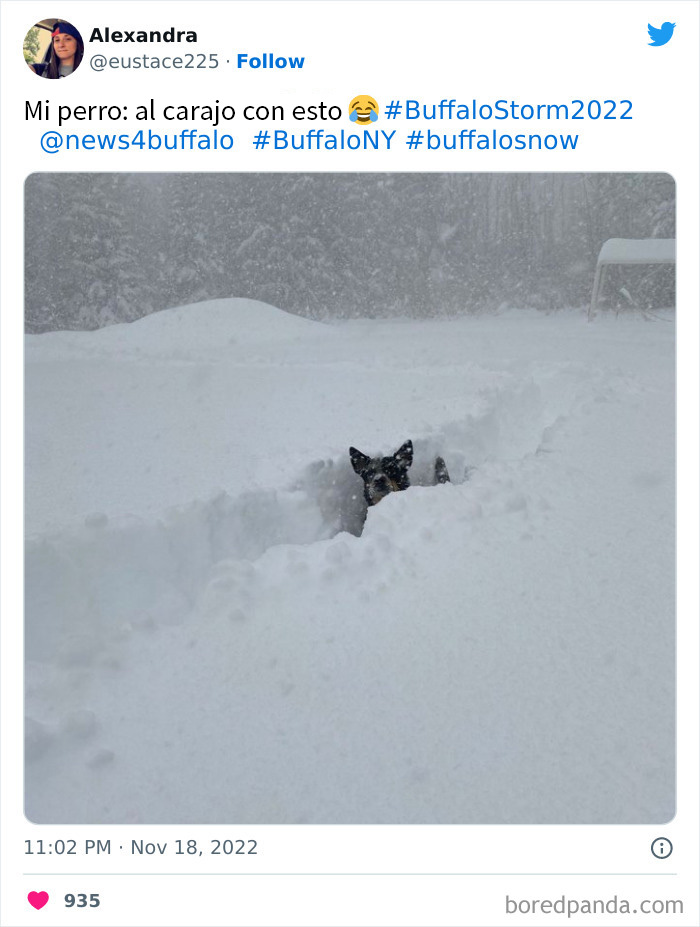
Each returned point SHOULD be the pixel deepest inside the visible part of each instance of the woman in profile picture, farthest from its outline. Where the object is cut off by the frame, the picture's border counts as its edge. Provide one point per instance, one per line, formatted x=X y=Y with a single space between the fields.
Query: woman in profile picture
x=66 y=51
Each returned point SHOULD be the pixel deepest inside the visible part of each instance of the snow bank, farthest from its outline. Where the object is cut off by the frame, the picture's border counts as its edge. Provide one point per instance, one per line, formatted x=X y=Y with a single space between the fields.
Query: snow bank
x=207 y=329
x=498 y=649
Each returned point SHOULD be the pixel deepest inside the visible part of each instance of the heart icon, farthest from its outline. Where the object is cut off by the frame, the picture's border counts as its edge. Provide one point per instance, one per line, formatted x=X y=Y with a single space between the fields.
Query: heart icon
x=38 y=899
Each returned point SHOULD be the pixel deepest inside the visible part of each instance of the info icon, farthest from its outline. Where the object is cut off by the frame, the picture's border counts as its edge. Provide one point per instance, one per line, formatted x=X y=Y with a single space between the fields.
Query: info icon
x=662 y=848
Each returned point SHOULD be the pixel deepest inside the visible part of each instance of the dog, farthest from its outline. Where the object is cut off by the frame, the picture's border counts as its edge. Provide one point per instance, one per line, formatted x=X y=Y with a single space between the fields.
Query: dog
x=382 y=475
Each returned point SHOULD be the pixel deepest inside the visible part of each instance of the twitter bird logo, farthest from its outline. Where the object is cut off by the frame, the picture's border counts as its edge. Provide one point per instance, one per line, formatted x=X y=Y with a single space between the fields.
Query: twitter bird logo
x=662 y=35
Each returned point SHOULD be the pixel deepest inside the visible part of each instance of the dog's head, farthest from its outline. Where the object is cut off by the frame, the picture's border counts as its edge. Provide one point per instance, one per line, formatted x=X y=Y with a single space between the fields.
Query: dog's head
x=382 y=475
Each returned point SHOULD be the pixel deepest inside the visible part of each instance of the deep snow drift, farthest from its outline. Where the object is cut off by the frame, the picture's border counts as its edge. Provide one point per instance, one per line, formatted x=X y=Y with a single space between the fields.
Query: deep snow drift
x=208 y=640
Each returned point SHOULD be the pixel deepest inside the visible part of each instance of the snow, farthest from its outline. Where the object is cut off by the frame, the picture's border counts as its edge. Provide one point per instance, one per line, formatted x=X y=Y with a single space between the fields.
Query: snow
x=638 y=251
x=207 y=644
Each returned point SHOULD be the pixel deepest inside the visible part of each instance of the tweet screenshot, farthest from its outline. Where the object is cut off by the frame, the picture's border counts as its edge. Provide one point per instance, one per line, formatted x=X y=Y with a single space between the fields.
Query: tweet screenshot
x=350 y=423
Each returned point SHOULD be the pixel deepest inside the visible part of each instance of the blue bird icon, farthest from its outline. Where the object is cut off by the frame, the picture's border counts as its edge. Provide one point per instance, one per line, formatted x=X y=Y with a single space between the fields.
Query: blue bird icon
x=662 y=35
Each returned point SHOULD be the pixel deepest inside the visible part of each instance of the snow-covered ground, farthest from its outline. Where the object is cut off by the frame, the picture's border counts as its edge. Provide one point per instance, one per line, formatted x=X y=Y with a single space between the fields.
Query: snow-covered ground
x=205 y=643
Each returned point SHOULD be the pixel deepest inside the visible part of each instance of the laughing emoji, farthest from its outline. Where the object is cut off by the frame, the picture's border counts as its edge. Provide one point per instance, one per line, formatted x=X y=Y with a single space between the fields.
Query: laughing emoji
x=363 y=110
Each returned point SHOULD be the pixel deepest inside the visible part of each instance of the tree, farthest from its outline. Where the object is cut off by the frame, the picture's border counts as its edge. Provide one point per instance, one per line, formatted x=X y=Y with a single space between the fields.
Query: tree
x=31 y=45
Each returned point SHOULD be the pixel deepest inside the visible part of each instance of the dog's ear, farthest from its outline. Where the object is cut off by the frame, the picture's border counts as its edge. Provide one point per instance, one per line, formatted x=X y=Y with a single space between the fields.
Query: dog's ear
x=404 y=455
x=441 y=473
x=358 y=459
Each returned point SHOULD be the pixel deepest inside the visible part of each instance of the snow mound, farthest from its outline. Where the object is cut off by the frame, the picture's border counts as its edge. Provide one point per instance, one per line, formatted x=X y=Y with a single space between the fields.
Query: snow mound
x=186 y=332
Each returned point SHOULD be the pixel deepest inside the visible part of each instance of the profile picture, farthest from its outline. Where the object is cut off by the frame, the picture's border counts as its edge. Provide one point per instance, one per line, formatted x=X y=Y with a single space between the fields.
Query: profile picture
x=53 y=48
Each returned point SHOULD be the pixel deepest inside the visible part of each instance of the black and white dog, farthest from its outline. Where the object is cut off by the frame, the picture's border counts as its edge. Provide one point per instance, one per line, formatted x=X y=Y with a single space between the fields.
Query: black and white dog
x=382 y=475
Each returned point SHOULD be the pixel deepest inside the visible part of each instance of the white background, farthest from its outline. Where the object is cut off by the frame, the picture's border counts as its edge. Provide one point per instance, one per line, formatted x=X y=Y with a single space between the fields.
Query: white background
x=540 y=52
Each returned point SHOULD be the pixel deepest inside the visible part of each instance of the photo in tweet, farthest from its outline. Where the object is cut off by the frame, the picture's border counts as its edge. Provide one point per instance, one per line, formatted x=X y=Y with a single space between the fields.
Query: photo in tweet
x=234 y=611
